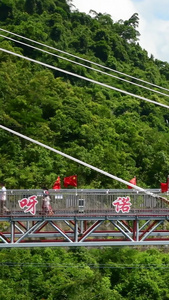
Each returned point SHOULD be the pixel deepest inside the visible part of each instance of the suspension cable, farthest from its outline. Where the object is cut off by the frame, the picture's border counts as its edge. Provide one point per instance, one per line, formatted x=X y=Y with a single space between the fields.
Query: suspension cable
x=85 y=78
x=83 y=163
x=83 y=65
x=83 y=59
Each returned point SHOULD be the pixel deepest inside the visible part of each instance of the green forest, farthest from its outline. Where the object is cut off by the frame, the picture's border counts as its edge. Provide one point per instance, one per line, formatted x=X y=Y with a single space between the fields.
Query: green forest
x=83 y=274
x=108 y=129
x=104 y=127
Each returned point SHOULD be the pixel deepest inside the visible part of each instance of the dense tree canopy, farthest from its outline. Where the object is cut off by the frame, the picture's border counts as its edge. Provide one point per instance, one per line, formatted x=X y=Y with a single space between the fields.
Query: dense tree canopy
x=80 y=274
x=110 y=130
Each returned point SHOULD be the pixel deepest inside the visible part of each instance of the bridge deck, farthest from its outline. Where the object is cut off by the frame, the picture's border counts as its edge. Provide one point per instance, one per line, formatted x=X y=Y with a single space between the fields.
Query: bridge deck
x=84 y=218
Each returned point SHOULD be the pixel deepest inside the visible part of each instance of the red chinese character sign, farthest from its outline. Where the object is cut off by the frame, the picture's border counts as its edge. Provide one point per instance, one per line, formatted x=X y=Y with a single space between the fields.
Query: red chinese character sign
x=29 y=203
x=122 y=204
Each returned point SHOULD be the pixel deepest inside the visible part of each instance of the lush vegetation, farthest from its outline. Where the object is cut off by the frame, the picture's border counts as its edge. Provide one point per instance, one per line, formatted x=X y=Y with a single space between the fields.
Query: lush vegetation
x=80 y=274
x=115 y=132
x=105 y=128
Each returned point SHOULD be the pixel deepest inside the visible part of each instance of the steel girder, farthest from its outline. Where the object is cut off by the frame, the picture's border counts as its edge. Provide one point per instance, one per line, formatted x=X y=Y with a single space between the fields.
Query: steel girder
x=81 y=230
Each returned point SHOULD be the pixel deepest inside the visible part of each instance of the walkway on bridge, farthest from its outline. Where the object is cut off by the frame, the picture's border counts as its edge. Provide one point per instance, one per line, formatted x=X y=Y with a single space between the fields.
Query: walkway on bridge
x=85 y=218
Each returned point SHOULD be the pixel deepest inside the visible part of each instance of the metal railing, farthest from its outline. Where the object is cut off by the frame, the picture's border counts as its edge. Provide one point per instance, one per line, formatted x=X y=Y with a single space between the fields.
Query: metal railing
x=86 y=201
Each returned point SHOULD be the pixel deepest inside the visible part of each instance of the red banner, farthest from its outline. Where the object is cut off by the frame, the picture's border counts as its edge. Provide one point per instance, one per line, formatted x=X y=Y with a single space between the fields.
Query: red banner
x=71 y=180
x=57 y=185
x=133 y=181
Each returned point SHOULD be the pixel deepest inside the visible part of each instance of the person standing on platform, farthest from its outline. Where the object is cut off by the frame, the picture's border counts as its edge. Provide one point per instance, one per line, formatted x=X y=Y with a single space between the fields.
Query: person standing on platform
x=3 y=198
x=46 y=206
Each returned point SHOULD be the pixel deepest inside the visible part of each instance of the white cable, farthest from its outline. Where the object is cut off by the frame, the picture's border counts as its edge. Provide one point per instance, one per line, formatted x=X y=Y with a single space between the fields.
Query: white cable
x=86 y=165
x=83 y=59
x=79 y=161
x=74 y=62
x=85 y=78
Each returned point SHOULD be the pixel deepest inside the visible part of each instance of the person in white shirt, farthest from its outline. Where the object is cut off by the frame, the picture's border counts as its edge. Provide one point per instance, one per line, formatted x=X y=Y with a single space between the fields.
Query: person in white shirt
x=3 y=198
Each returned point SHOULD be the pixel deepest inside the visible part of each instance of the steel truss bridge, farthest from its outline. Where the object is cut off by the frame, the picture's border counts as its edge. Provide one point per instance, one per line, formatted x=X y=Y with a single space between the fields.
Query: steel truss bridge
x=85 y=218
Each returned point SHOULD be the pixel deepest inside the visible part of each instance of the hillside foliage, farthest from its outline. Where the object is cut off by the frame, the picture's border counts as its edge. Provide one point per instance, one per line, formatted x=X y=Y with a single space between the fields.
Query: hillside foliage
x=80 y=274
x=110 y=130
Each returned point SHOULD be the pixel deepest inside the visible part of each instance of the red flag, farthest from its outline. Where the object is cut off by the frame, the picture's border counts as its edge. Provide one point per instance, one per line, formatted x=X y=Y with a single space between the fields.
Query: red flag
x=133 y=181
x=71 y=180
x=56 y=185
x=164 y=186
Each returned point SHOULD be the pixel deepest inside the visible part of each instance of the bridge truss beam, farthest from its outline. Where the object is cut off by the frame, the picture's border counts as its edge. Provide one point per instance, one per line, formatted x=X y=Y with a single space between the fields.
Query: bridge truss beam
x=81 y=230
